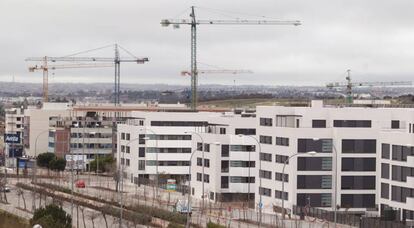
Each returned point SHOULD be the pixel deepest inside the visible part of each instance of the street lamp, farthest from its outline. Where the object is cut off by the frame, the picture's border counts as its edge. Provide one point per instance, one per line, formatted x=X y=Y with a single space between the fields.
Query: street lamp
x=260 y=178
x=335 y=182
x=202 y=168
x=156 y=158
x=121 y=175
x=35 y=164
x=283 y=181
x=189 y=185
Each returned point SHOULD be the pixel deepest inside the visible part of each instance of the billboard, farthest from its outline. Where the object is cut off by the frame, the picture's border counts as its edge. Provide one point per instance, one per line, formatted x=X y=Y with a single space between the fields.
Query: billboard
x=12 y=138
x=78 y=161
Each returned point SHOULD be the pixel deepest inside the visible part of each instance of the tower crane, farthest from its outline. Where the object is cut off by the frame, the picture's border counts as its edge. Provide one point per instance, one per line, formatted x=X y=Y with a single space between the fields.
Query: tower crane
x=194 y=23
x=102 y=61
x=188 y=73
x=46 y=67
x=349 y=85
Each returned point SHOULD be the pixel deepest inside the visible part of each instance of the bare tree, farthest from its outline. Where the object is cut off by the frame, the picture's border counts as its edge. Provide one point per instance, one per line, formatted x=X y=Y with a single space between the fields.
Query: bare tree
x=20 y=193
x=104 y=217
x=83 y=216
x=3 y=182
x=93 y=215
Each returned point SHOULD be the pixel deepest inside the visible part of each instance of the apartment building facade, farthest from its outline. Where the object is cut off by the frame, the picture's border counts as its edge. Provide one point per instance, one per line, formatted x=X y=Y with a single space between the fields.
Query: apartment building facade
x=345 y=170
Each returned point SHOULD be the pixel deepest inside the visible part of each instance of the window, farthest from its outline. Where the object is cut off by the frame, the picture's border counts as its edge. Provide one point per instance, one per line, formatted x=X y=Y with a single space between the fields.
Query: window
x=358 y=200
x=244 y=148
x=279 y=177
x=265 y=191
x=122 y=148
x=359 y=146
x=199 y=176
x=265 y=174
x=127 y=162
x=141 y=152
x=122 y=135
x=199 y=161
x=169 y=137
x=385 y=151
x=206 y=178
x=128 y=149
x=141 y=165
x=266 y=122
x=281 y=141
x=240 y=179
x=206 y=147
x=400 y=173
x=314 y=182
x=400 y=153
x=141 y=139
x=385 y=191
x=358 y=182
x=400 y=194
x=314 y=199
x=358 y=164
x=265 y=139
x=314 y=164
x=285 y=121
x=168 y=150
x=222 y=131
x=224 y=182
x=199 y=146
x=245 y=131
x=179 y=123
x=211 y=196
x=224 y=166
x=395 y=124
x=128 y=136
x=278 y=195
x=281 y=159
x=352 y=123
x=206 y=162
x=385 y=171
x=167 y=163
x=225 y=150
x=266 y=157
x=318 y=123
x=320 y=145
x=244 y=164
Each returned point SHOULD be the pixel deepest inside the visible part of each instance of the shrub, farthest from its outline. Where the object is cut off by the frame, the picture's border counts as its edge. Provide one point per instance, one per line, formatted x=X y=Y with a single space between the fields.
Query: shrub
x=51 y=216
x=214 y=225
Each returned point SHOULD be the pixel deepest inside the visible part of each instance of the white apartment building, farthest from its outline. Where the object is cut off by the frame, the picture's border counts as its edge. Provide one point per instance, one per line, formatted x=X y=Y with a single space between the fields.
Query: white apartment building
x=348 y=143
x=163 y=138
x=396 y=163
x=230 y=160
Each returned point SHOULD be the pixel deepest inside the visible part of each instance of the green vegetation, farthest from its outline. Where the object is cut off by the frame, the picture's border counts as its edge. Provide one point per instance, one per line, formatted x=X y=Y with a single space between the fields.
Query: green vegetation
x=106 y=164
x=214 y=225
x=10 y=220
x=50 y=161
x=51 y=216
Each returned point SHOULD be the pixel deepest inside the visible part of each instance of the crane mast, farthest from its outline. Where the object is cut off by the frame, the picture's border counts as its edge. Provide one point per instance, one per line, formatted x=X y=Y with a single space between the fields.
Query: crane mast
x=193 y=23
x=348 y=85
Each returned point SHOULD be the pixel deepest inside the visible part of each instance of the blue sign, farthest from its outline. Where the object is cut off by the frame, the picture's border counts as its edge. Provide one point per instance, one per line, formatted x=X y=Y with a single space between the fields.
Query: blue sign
x=260 y=204
x=12 y=138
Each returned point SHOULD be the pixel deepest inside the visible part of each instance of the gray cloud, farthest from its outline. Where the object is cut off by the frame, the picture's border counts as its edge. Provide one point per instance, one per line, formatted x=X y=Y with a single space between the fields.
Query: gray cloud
x=375 y=38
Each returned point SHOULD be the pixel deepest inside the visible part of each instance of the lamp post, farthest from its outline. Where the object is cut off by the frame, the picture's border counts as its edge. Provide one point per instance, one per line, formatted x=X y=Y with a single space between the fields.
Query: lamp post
x=260 y=178
x=35 y=165
x=156 y=159
x=283 y=181
x=335 y=187
x=121 y=175
x=202 y=163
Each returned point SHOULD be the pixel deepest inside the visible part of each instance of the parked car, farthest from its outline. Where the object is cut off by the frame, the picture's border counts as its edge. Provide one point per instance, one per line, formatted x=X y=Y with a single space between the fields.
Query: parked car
x=80 y=184
x=5 y=189
x=182 y=207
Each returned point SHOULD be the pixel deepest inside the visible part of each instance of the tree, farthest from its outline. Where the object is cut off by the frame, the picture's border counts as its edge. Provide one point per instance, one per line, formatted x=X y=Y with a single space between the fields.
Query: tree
x=43 y=160
x=57 y=164
x=51 y=216
x=105 y=164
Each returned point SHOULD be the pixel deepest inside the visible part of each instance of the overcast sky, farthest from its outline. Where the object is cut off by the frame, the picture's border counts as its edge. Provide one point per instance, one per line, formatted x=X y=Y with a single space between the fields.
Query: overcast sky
x=374 y=38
